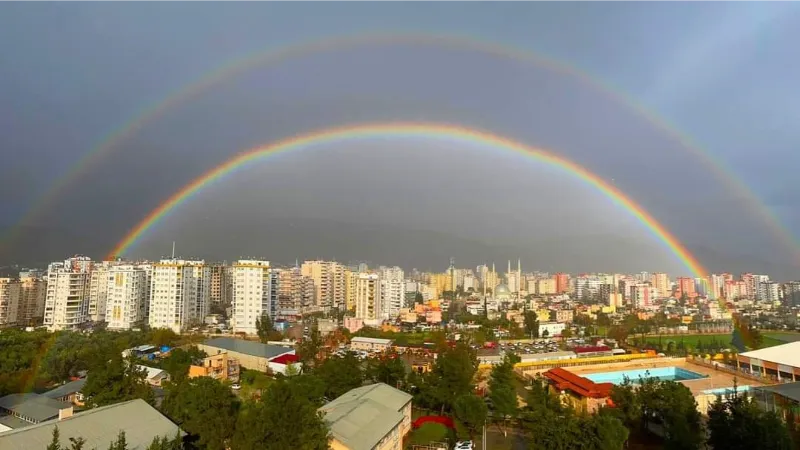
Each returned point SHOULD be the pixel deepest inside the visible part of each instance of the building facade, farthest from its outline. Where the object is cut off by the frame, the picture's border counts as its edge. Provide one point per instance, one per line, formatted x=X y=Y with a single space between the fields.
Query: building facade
x=368 y=297
x=172 y=295
x=329 y=282
x=127 y=297
x=255 y=294
x=67 y=297
x=9 y=301
x=33 y=291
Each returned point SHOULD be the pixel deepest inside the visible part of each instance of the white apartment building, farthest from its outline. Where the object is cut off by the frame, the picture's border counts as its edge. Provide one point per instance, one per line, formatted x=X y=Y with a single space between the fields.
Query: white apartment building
x=9 y=301
x=33 y=290
x=392 y=291
x=769 y=291
x=201 y=304
x=368 y=297
x=98 y=290
x=172 y=295
x=295 y=291
x=255 y=294
x=127 y=296
x=587 y=286
x=329 y=282
x=67 y=298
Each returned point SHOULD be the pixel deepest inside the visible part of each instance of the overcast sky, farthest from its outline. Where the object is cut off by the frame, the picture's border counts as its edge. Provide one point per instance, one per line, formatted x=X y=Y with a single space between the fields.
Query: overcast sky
x=726 y=74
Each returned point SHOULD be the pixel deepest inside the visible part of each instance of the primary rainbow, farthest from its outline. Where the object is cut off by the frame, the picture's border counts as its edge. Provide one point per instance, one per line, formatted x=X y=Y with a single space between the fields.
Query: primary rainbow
x=210 y=79
x=406 y=130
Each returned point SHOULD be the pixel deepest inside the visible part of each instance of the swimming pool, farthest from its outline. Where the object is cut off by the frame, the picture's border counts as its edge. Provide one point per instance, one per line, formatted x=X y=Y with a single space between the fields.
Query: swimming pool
x=662 y=373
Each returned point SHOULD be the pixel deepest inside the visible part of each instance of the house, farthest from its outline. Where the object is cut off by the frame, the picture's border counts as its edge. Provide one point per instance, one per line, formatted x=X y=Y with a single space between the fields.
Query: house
x=581 y=393
x=374 y=417
x=283 y=362
x=68 y=392
x=154 y=376
x=370 y=344
x=22 y=410
x=251 y=355
x=99 y=426
x=220 y=367
x=551 y=329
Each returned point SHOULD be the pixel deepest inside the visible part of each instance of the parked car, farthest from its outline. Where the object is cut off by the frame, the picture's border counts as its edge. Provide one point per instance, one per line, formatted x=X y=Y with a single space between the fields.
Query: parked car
x=464 y=445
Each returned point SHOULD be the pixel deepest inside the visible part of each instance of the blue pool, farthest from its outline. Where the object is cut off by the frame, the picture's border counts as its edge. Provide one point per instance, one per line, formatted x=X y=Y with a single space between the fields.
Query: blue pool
x=662 y=373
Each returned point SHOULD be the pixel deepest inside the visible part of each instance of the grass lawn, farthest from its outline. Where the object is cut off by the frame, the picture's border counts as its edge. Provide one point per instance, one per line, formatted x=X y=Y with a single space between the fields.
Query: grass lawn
x=783 y=337
x=691 y=340
x=431 y=432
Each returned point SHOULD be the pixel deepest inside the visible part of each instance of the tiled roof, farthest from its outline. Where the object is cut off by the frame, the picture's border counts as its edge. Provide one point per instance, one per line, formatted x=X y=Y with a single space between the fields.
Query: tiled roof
x=566 y=380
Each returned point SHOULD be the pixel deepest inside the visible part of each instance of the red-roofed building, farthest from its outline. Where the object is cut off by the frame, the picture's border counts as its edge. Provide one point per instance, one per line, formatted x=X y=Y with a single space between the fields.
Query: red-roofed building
x=281 y=363
x=592 y=351
x=581 y=393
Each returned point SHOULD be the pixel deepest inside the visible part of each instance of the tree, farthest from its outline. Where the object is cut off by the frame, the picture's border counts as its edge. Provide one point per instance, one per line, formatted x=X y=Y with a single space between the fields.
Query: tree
x=452 y=373
x=501 y=387
x=120 y=444
x=266 y=329
x=178 y=362
x=163 y=443
x=282 y=419
x=736 y=422
x=471 y=410
x=340 y=374
x=566 y=333
x=55 y=443
x=117 y=380
x=418 y=298
x=531 y=323
x=309 y=348
x=389 y=370
x=204 y=408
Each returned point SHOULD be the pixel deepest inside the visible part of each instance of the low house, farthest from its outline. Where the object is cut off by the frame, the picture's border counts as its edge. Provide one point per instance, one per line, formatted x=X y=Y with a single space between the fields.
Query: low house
x=370 y=344
x=251 y=355
x=220 y=367
x=99 y=426
x=22 y=410
x=282 y=363
x=374 y=417
x=581 y=393
x=68 y=392
x=154 y=376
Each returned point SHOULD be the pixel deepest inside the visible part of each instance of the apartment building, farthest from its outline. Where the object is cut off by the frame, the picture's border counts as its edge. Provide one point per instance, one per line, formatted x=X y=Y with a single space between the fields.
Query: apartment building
x=329 y=282
x=33 y=291
x=67 y=298
x=98 y=290
x=221 y=285
x=127 y=297
x=9 y=301
x=255 y=293
x=201 y=303
x=368 y=297
x=172 y=295
x=295 y=291
x=392 y=281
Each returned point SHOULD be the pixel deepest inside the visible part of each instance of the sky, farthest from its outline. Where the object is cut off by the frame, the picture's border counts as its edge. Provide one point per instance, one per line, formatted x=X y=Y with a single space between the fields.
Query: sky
x=722 y=73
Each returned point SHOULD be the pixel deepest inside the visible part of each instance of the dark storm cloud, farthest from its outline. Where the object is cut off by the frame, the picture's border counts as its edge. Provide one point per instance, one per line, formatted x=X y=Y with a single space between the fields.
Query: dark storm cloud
x=72 y=72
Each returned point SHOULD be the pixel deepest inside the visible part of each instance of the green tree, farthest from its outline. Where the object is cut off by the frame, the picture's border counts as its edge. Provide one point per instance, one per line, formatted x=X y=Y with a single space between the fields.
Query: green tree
x=471 y=410
x=204 y=408
x=736 y=422
x=389 y=370
x=76 y=443
x=266 y=329
x=117 y=380
x=501 y=387
x=55 y=442
x=309 y=348
x=418 y=298
x=161 y=337
x=340 y=374
x=163 y=443
x=178 y=362
x=282 y=419
x=120 y=444
x=531 y=323
x=452 y=373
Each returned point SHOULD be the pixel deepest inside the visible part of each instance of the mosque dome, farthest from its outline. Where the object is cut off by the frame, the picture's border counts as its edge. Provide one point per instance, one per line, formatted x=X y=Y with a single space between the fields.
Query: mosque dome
x=502 y=291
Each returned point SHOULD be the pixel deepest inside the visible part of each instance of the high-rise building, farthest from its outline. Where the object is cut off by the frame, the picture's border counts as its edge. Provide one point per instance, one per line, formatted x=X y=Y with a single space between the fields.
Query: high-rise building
x=768 y=291
x=368 y=296
x=172 y=295
x=392 y=290
x=562 y=282
x=791 y=293
x=201 y=302
x=9 y=301
x=33 y=290
x=295 y=291
x=329 y=282
x=255 y=294
x=127 y=296
x=685 y=287
x=642 y=294
x=221 y=285
x=546 y=286
x=660 y=281
x=67 y=298
x=98 y=290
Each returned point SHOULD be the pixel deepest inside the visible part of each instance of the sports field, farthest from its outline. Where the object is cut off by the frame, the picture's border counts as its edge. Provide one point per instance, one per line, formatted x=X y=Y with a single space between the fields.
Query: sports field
x=693 y=340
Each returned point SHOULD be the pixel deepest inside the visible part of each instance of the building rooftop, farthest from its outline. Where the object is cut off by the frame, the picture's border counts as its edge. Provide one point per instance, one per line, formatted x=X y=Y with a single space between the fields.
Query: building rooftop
x=99 y=426
x=788 y=390
x=247 y=347
x=12 y=422
x=363 y=416
x=566 y=380
x=66 y=389
x=152 y=372
x=33 y=407
x=371 y=340
x=786 y=354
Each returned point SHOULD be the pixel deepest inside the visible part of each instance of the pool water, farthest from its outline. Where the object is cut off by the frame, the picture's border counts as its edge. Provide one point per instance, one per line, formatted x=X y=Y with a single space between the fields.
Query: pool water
x=661 y=373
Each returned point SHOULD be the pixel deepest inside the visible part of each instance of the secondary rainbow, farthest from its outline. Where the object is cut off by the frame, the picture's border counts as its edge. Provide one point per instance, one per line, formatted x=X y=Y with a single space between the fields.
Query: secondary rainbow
x=275 y=56
x=408 y=130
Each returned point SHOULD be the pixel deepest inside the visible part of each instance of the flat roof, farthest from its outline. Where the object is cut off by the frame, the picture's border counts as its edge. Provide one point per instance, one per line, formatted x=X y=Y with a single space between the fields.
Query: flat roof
x=248 y=347
x=785 y=354
x=99 y=426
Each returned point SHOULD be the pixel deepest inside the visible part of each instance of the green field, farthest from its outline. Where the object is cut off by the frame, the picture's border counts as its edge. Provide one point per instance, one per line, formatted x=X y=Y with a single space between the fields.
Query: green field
x=771 y=339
